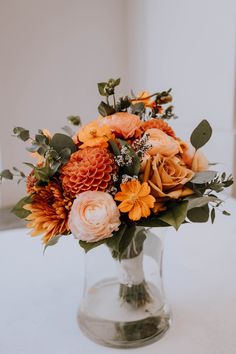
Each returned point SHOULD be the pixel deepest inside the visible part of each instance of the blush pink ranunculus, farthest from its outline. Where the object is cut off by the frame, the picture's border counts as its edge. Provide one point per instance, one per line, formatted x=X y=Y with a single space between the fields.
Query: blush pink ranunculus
x=94 y=216
x=161 y=143
x=123 y=124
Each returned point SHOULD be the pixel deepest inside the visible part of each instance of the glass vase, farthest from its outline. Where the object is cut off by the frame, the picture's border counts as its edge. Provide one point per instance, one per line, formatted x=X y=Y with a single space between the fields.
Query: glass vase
x=123 y=302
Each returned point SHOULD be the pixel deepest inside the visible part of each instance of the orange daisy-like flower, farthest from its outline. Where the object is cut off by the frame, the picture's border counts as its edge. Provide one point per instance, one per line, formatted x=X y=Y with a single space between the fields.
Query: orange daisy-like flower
x=135 y=199
x=159 y=124
x=93 y=134
x=49 y=211
x=89 y=169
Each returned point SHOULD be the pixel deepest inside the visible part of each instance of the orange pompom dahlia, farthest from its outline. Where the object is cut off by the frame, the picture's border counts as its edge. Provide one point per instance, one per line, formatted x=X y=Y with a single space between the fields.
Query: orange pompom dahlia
x=159 y=124
x=89 y=169
x=49 y=211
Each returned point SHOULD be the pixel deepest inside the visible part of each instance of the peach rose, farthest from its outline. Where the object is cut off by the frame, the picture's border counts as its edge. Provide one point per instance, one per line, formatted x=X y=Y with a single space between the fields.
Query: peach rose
x=94 y=216
x=195 y=160
x=162 y=143
x=123 y=124
x=169 y=175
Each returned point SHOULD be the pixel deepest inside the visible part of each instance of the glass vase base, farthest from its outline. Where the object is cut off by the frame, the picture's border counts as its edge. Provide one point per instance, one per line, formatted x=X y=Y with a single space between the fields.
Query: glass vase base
x=108 y=321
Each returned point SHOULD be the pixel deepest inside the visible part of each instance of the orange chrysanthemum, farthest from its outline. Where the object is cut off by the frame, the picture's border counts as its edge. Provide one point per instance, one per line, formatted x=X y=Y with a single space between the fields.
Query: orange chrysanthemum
x=135 y=199
x=31 y=181
x=93 y=134
x=49 y=211
x=159 y=124
x=89 y=169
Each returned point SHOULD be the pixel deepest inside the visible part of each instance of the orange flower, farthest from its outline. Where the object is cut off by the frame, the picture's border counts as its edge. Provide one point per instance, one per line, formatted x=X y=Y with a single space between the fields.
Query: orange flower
x=158 y=124
x=49 y=211
x=89 y=169
x=123 y=124
x=135 y=199
x=94 y=134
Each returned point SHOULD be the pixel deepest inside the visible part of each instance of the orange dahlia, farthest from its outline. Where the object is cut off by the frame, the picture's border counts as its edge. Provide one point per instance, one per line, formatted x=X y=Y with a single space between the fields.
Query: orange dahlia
x=89 y=169
x=49 y=211
x=135 y=199
x=159 y=124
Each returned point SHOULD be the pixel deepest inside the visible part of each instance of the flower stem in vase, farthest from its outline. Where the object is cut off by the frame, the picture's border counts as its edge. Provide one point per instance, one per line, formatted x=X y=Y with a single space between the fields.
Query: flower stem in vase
x=133 y=287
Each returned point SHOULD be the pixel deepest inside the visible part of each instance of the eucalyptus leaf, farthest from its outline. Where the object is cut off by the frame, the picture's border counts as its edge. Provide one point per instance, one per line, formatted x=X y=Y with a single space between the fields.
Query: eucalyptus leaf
x=53 y=241
x=88 y=246
x=19 y=210
x=74 y=120
x=201 y=134
x=117 y=82
x=152 y=221
x=176 y=215
x=138 y=108
x=7 y=174
x=105 y=110
x=201 y=201
x=213 y=215
x=203 y=177
x=60 y=141
x=224 y=212
x=101 y=86
x=199 y=214
x=114 y=147
x=21 y=133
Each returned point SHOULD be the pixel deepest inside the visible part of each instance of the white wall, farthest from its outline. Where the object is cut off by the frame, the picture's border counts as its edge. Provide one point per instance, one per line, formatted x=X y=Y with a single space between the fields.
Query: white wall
x=53 y=52
x=189 y=45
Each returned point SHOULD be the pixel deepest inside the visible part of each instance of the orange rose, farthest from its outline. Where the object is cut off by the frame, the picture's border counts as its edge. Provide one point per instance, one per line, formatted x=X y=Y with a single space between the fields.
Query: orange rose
x=195 y=160
x=168 y=177
x=93 y=134
x=123 y=124
x=162 y=143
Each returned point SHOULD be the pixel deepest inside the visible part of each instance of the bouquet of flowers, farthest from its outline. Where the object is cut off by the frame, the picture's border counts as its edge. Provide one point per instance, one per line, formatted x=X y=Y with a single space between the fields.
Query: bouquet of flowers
x=105 y=181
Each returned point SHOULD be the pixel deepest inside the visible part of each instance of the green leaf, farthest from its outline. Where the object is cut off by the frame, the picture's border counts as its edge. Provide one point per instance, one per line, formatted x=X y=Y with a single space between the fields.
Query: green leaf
x=19 y=210
x=138 y=108
x=7 y=174
x=65 y=155
x=101 y=86
x=88 y=246
x=117 y=82
x=114 y=147
x=61 y=141
x=53 y=241
x=24 y=135
x=21 y=133
x=114 y=241
x=213 y=215
x=125 y=239
x=105 y=110
x=153 y=221
x=201 y=201
x=199 y=214
x=203 y=177
x=74 y=120
x=201 y=134
x=176 y=215
x=224 y=212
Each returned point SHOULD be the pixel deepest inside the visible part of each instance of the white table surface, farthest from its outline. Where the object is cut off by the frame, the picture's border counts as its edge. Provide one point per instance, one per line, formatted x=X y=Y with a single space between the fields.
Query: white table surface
x=39 y=295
